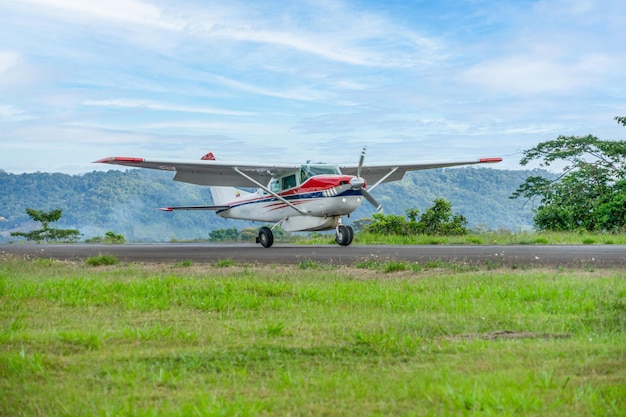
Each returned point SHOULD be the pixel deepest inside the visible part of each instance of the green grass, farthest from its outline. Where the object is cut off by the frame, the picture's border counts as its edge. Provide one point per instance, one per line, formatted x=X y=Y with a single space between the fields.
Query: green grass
x=483 y=238
x=305 y=340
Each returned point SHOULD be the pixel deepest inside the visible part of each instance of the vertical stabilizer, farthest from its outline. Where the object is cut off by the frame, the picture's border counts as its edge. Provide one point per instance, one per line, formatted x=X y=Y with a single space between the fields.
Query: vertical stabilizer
x=227 y=195
x=224 y=195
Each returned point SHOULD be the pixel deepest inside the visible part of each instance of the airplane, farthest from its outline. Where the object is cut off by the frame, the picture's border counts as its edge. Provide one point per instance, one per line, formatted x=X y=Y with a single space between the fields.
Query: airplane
x=297 y=197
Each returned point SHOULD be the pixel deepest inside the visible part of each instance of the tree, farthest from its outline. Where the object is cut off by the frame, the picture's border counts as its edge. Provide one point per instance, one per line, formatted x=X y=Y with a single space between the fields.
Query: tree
x=590 y=192
x=224 y=235
x=439 y=220
x=46 y=233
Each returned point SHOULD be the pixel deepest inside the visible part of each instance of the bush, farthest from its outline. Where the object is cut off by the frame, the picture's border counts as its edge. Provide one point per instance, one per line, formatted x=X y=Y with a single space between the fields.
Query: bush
x=109 y=238
x=102 y=260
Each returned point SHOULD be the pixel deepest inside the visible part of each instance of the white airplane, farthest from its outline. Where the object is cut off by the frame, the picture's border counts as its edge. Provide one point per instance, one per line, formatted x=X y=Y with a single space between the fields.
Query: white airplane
x=298 y=197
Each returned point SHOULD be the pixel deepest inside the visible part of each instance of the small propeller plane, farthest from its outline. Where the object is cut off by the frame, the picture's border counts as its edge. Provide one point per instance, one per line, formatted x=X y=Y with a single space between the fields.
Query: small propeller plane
x=298 y=197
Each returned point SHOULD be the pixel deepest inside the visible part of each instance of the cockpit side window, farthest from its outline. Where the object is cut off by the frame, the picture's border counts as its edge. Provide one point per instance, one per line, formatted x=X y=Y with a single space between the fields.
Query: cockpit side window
x=303 y=175
x=274 y=186
x=289 y=181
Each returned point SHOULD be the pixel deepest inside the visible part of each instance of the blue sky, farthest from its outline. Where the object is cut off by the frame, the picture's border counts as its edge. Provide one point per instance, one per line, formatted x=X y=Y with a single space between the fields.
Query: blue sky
x=307 y=80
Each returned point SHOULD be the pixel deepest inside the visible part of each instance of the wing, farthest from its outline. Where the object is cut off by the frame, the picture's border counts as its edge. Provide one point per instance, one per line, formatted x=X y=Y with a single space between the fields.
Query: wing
x=375 y=174
x=208 y=172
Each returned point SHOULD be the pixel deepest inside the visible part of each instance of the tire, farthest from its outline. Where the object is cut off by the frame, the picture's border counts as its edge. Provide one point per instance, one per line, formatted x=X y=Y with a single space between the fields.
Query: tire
x=266 y=237
x=343 y=236
x=351 y=235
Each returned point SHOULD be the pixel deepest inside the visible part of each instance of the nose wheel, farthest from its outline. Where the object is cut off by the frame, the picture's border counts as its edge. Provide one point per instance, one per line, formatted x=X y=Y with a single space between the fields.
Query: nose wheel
x=344 y=235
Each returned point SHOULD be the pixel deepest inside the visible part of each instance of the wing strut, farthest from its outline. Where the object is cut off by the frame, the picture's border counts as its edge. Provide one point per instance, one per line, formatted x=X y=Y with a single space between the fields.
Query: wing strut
x=382 y=179
x=264 y=188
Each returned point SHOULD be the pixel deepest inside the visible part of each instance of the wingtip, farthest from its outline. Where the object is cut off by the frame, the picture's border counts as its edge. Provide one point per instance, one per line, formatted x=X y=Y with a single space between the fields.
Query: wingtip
x=165 y=209
x=118 y=159
x=489 y=160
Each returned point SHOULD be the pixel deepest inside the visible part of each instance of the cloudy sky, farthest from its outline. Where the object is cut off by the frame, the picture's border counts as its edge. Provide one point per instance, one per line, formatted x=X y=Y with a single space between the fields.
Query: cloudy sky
x=291 y=81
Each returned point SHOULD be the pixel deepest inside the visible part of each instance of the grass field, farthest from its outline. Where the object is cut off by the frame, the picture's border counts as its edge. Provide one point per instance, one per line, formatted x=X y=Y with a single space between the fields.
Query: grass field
x=482 y=238
x=309 y=340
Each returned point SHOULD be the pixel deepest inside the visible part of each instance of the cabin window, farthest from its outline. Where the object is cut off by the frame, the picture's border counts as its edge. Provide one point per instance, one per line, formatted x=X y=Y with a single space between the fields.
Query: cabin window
x=308 y=171
x=274 y=186
x=289 y=181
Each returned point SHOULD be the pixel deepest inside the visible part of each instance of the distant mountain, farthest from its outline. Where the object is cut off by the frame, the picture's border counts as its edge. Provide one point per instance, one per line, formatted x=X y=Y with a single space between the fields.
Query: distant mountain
x=125 y=202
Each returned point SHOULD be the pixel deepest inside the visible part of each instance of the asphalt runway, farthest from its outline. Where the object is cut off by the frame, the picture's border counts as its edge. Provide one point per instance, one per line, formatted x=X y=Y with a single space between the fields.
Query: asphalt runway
x=601 y=256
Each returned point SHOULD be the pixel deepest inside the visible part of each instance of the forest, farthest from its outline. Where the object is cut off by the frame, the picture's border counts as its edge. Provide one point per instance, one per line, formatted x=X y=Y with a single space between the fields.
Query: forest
x=126 y=202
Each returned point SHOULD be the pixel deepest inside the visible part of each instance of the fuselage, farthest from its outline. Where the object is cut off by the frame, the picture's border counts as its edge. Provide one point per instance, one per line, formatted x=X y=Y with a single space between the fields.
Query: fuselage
x=321 y=201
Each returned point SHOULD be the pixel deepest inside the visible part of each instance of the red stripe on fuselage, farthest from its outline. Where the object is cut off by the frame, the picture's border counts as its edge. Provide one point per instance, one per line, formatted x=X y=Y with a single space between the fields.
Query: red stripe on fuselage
x=319 y=183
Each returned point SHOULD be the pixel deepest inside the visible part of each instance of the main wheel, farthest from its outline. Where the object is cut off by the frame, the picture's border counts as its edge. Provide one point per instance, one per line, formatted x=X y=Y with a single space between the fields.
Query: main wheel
x=266 y=237
x=351 y=232
x=344 y=235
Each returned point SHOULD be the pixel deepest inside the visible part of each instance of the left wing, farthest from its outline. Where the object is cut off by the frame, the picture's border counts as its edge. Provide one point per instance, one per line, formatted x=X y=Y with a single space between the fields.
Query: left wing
x=377 y=174
x=208 y=172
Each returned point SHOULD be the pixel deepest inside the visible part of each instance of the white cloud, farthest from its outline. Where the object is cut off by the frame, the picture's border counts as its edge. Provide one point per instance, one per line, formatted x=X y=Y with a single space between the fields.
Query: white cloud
x=532 y=74
x=8 y=61
x=10 y=113
x=152 y=105
x=120 y=11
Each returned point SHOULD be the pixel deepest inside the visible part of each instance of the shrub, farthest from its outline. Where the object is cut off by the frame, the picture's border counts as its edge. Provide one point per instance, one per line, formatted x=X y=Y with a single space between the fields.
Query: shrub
x=102 y=260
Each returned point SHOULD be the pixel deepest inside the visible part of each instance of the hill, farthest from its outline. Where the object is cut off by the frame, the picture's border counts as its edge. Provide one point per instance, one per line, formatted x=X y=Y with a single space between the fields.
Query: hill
x=125 y=201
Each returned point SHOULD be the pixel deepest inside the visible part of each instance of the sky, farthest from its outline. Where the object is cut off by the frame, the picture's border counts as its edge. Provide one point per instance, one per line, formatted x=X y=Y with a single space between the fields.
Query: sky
x=291 y=81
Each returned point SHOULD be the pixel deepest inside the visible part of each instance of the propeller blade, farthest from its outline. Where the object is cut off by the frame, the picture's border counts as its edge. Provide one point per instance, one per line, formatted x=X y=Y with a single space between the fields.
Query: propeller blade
x=361 y=159
x=371 y=199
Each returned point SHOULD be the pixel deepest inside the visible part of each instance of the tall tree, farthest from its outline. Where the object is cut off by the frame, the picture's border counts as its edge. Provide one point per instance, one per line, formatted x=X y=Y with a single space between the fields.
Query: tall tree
x=589 y=194
x=46 y=233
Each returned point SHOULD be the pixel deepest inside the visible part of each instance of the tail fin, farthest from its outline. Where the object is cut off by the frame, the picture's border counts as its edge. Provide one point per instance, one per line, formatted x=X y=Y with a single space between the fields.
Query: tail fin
x=226 y=195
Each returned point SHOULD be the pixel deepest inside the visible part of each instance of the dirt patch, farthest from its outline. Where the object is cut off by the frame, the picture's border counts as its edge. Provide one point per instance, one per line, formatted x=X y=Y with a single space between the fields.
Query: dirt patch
x=508 y=334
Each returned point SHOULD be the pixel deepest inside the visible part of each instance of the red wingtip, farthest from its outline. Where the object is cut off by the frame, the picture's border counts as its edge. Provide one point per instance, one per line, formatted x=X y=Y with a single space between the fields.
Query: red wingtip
x=165 y=209
x=489 y=160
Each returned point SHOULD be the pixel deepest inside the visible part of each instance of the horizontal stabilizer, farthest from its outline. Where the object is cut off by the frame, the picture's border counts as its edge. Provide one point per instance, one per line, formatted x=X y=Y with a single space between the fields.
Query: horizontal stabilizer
x=194 y=208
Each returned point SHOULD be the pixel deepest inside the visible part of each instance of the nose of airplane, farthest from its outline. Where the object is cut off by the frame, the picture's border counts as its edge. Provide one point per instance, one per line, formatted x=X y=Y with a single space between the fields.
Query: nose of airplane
x=357 y=183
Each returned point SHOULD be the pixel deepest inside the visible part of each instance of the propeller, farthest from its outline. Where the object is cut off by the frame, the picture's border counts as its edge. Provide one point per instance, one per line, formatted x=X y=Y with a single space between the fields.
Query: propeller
x=359 y=183
x=361 y=159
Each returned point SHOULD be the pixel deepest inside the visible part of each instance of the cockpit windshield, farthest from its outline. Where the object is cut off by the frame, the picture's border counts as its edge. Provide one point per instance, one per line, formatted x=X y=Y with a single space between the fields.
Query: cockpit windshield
x=309 y=170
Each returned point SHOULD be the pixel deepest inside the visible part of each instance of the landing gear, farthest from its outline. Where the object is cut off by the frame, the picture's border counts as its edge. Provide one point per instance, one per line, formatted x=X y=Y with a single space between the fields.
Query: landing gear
x=344 y=235
x=266 y=237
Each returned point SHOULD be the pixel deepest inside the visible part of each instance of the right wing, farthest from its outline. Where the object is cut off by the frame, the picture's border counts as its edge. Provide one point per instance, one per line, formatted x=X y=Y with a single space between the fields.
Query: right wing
x=376 y=174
